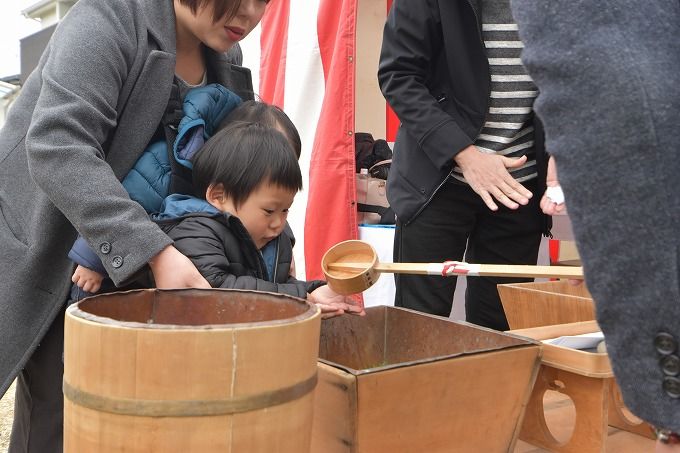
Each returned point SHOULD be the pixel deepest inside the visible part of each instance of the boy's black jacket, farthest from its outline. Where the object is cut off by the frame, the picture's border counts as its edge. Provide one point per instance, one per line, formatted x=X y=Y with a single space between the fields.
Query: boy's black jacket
x=224 y=253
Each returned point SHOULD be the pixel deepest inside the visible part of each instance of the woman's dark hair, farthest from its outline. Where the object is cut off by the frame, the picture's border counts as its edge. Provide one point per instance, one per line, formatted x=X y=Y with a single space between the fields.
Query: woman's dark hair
x=267 y=115
x=243 y=156
x=220 y=7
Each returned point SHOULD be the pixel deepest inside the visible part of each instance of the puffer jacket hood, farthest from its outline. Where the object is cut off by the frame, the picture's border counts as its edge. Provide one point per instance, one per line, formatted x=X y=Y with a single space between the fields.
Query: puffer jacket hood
x=176 y=206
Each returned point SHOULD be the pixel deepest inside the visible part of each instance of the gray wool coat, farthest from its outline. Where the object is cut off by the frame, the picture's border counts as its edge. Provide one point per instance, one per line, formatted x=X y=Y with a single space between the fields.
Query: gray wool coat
x=609 y=79
x=81 y=121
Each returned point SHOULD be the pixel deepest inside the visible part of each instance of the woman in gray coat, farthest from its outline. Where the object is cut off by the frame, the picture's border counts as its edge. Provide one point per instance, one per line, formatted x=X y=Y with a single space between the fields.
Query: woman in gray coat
x=609 y=79
x=97 y=98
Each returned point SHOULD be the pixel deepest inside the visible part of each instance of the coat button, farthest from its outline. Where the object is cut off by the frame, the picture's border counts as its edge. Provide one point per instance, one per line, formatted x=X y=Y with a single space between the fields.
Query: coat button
x=117 y=261
x=665 y=343
x=672 y=386
x=105 y=248
x=670 y=365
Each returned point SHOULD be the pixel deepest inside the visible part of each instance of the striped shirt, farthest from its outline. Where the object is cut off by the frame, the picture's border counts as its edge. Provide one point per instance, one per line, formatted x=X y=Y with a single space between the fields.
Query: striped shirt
x=508 y=129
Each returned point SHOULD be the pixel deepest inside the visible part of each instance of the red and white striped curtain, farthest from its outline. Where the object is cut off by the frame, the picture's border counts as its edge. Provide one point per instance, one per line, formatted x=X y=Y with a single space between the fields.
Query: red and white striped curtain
x=302 y=57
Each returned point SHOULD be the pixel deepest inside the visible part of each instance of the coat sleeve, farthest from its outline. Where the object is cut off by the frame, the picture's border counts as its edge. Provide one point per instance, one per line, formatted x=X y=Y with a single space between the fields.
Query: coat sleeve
x=412 y=39
x=199 y=239
x=609 y=77
x=86 y=65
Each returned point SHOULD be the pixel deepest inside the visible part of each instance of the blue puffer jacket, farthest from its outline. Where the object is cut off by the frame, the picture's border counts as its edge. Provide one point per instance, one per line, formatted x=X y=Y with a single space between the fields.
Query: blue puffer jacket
x=148 y=183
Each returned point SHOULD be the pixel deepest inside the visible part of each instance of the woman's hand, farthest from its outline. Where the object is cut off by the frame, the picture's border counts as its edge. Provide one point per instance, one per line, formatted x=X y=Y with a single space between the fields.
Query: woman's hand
x=488 y=176
x=555 y=204
x=88 y=280
x=333 y=304
x=171 y=269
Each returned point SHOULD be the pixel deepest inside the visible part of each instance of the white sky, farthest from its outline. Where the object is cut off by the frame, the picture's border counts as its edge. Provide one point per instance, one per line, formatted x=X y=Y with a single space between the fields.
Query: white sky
x=13 y=27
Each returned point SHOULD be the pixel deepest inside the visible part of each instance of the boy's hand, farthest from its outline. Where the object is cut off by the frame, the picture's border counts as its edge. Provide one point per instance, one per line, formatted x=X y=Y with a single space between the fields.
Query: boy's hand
x=333 y=304
x=87 y=279
x=171 y=269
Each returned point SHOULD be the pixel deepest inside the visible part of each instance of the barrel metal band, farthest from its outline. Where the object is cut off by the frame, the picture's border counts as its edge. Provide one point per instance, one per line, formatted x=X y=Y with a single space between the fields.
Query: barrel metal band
x=188 y=408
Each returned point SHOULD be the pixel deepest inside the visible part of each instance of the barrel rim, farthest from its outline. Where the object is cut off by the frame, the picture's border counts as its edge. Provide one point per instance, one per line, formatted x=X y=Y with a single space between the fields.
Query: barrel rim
x=312 y=312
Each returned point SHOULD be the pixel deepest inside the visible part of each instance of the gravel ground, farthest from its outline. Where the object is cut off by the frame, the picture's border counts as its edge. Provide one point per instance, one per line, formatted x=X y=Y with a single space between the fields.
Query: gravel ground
x=6 y=412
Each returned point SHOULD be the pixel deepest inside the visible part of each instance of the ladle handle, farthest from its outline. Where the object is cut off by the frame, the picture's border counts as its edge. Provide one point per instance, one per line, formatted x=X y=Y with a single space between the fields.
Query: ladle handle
x=455 y=268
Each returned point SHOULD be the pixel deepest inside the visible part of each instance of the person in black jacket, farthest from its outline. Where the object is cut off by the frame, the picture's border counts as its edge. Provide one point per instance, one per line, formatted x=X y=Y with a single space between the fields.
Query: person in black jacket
x=235 y=235
x=469 y=164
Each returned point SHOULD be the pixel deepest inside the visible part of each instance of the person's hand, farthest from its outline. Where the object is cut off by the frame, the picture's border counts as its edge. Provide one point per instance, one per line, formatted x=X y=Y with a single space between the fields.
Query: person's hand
x=87 y=279
x=488 y=176
x=333 y=304
x=551 y=206
x=171 y=269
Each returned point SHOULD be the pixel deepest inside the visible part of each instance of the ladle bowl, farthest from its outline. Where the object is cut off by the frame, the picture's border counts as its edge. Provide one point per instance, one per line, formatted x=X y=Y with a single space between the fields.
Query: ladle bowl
x=353 y=280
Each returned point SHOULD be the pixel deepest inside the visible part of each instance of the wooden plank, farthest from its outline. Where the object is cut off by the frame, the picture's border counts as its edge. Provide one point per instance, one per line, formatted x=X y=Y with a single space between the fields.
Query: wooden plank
x=538 y=304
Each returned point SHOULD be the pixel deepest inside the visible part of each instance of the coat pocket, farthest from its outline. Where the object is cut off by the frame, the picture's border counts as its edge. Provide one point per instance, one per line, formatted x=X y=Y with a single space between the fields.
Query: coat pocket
x=12 y=235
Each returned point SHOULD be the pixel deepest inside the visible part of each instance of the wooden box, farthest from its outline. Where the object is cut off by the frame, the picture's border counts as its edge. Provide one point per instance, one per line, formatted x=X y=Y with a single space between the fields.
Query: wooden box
x=537 y=304
x=401 y=381
x=586 y=378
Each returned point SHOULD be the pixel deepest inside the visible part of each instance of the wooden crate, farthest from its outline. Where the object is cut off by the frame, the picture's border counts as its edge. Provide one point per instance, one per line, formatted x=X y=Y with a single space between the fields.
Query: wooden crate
x=399 y=380
x=537 y=304
x=586 y=378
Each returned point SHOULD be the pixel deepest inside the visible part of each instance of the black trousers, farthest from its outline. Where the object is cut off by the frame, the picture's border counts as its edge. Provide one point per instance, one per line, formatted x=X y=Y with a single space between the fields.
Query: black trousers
x=39 y=402
x=457 y=224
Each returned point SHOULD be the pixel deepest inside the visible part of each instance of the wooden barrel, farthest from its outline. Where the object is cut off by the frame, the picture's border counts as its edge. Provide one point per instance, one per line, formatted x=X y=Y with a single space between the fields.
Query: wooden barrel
x=190 y=371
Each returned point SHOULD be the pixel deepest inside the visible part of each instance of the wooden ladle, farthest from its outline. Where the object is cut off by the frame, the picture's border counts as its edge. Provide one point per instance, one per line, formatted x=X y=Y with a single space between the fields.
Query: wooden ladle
x=352 y=267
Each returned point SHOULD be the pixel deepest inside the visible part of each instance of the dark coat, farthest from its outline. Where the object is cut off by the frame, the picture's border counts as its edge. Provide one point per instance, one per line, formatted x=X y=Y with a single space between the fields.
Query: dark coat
x=434 y=73
x=82 y=120
x=609 y=81
x=224 y=253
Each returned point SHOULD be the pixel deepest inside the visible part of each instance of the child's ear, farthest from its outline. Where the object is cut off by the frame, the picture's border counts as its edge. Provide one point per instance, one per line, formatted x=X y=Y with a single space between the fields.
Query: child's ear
x=215 y=194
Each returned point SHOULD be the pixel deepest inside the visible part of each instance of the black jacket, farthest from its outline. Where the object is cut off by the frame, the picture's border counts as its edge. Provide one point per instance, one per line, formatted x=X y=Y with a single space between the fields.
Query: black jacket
x=223 y=252
x=434 y=73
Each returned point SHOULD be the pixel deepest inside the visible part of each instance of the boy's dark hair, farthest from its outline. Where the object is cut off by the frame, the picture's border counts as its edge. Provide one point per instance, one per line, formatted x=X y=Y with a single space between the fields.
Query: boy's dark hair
x=241 y=157
x=268 y=115
x=220 y=7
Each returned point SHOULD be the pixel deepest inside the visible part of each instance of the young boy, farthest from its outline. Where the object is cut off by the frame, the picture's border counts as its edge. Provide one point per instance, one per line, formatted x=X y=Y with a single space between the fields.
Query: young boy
x=249 y=176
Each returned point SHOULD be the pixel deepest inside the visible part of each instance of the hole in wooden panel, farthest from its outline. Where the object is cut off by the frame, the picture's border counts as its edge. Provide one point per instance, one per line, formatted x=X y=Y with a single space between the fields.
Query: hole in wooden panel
x=560 y=414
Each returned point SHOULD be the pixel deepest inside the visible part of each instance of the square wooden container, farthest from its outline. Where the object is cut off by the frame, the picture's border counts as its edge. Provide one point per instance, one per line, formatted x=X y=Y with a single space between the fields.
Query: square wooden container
x=537 y=304
x=401 y=381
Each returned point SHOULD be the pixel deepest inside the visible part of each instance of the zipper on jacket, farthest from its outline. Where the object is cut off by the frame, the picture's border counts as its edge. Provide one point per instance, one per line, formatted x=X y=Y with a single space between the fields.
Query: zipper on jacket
x=477 y=22
x=276 y=257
